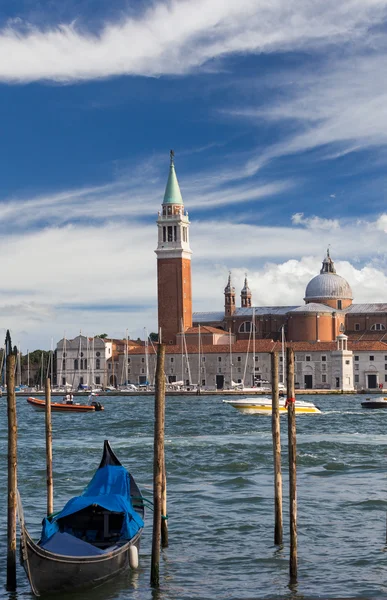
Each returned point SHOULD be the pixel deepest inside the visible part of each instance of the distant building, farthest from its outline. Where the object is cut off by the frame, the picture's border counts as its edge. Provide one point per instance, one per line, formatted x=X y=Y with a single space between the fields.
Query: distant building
x=82 y=361
x=338 y=344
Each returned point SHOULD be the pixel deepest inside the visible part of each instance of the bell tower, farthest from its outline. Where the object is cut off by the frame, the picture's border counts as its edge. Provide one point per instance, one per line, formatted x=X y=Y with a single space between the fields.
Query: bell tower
x=229 y=298
x=246 y=295
x=173 y=262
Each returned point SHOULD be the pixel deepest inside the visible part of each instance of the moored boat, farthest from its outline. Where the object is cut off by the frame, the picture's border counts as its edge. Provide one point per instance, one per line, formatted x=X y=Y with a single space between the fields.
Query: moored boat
x=40 y=404
x=264 y=406
x=92 y=539
x=378 y=402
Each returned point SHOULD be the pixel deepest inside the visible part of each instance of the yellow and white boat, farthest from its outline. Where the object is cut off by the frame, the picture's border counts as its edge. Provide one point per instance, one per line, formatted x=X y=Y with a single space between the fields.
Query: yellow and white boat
x=263 y=406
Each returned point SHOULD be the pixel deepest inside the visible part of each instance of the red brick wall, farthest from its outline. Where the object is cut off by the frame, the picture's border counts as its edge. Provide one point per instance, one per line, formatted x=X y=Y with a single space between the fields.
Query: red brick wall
x=174 y=296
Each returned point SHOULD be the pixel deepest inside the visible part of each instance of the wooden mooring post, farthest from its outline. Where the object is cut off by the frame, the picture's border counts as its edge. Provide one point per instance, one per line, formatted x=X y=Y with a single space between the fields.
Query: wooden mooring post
x=158 y=466
x=292 y=449
x=12 y=464
x=49 y=478
x=275 y=429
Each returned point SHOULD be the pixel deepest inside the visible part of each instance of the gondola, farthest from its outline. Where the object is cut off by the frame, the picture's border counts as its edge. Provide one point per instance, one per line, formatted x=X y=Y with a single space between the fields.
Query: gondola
x=92 y=539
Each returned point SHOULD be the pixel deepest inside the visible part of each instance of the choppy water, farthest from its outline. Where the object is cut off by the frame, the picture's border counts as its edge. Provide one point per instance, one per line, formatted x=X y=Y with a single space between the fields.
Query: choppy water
x=220 y=496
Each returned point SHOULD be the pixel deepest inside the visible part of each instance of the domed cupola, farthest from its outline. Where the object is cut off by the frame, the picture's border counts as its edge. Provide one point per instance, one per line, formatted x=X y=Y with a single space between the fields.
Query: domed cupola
x=328 y=287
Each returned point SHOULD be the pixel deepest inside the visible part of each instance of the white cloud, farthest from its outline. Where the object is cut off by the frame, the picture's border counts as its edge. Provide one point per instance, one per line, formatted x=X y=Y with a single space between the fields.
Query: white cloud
x=340 y=107
x=178 y=36
x=315 y=222
x=102 y=278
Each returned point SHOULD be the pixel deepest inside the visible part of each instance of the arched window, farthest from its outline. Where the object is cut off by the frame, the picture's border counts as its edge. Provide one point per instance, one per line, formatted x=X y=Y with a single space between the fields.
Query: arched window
x=98 y=363
x=246 y=327
x=76 y=364
x=378 y=327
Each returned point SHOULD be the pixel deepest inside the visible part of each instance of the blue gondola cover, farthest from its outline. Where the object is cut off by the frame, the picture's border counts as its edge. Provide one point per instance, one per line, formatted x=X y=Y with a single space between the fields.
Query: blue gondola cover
x=109 y=489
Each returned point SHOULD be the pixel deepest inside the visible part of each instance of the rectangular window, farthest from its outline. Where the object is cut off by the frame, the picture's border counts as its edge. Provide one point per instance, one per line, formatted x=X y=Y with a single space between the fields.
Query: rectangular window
x=143 y=359
x=339 y=304
x=256 y=358
x=372 y=357
x=347 y=362
x=172 y=359
x=385 y=378
x=164 y=234
x=356 y=378
x=174 y=233
x=203 y=382
x=281 y=358
x=357 y=326
x=142 y=370
x=323 y=367
x=240 y=358
x=128 y=370
x=170 y=233
x=307 y=358
x=324 y=358
x=219 y=359
x=356 y=357
x=324 y=378
x=239 y=370
x=128 y=360
x=220 y=370
x=356 y=367
x=98 y=380
x=203 y=359
x=63 y=380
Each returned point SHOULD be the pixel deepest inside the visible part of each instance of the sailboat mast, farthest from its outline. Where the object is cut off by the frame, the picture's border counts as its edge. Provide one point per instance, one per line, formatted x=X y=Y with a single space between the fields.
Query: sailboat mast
x=253 y=326
x=126 y=359
x=146 y=356
x=199 y=369
x=52 y=362
x=64 y=361
x=28 y=368
x=41 y=372
x=283 y=353
x=229 y=339
x=92 y=363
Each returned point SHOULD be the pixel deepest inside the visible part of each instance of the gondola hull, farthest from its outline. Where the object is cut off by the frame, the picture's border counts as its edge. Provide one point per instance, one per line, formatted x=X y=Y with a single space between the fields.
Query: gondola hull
x=64 y=562
x=53 y=573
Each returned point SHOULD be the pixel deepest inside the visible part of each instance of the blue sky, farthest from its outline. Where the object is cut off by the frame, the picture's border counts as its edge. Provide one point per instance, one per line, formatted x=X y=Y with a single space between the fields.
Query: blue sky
x=277 y=113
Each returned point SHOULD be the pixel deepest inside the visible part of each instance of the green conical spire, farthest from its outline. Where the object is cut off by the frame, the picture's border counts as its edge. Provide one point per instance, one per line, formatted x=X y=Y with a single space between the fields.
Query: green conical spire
x=172 y=191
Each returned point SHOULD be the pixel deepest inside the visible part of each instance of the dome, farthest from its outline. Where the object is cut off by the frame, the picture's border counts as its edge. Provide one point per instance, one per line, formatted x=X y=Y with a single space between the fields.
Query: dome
x=328 y=285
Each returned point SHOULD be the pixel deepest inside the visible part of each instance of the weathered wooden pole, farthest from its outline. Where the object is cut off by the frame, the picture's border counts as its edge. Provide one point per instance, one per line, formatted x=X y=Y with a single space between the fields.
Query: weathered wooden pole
x=292 y=463
x=158 y=465
x=50 y=485
x=275 y=429
x=12 y=464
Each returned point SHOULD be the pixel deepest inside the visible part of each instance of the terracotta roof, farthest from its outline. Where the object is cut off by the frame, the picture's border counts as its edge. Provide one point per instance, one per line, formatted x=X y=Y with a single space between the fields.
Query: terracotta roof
x=204 y=329
x=241 y=347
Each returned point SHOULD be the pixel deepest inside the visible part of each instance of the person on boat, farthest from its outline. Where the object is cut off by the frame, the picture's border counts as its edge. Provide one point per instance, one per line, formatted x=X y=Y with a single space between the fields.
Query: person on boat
x=91 y=397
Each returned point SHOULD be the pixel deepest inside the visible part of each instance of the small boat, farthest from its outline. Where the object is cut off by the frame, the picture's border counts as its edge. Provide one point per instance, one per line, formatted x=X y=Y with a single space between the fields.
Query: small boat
x=379 y=402
x=92 y=539
x=40 y=404
x=264 y=406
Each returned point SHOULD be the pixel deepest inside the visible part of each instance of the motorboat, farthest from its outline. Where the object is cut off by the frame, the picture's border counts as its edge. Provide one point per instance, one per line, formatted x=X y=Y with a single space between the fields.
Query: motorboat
x=378 y=402
x=66 y=406
x=263 y=406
